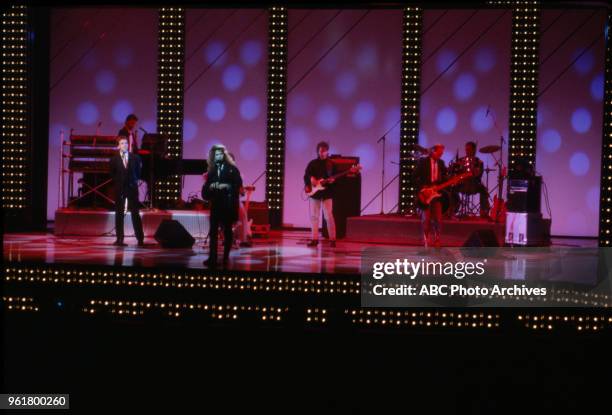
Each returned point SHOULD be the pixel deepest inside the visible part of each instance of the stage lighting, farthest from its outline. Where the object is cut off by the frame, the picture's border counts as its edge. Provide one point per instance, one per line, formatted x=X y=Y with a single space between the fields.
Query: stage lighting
x=277 y=98
x=524 y=67
x=170 y=85
x=15 y=102
x=605 y=198
x=411 y=93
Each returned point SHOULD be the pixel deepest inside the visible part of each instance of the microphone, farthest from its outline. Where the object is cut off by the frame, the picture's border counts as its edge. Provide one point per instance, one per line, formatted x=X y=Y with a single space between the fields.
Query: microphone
x=143 y=130
x=384 y=137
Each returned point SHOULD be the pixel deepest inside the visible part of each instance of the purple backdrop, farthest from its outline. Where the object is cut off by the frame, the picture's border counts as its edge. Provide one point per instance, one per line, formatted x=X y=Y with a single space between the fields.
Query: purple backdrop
x=345 y=91
x=455 y=96
x=225 y=90
x=570 y=118
x=103 y=67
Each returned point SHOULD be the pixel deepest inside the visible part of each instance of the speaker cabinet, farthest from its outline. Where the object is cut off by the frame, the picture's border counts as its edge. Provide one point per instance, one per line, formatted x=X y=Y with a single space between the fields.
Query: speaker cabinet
x=171 y=234
x=346 y=196
x=524 y=195
x=481 y=238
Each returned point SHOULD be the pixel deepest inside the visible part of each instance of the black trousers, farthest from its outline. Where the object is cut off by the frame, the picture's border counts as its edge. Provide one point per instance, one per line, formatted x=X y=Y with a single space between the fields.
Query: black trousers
x=472 y=188
x=217 y=220
x=131 y=194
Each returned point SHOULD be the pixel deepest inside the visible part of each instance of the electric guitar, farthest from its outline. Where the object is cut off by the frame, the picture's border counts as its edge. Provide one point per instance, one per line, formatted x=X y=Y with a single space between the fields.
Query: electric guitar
x=498 y=211
x=429 y=193
x=318 y=185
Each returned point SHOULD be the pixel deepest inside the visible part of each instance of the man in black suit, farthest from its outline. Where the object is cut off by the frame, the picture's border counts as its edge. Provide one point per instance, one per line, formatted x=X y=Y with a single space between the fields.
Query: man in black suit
x=429 y=171
x=130 y=132
x=222 y=189
x=125 y=170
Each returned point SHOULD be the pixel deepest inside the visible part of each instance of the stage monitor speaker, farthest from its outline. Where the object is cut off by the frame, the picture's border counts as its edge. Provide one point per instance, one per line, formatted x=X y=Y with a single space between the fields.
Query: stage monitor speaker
x=481 y=238
x=171 y=234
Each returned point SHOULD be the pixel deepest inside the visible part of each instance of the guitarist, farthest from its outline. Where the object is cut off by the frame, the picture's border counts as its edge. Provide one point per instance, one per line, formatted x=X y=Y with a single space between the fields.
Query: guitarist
x=319 y=169
x=429 y=171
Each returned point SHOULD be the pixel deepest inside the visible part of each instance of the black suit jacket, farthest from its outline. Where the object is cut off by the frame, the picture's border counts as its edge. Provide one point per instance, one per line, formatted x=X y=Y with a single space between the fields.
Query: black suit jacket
x=422 y=173
x=224 y=203
x=125 y=178
x=124 y=132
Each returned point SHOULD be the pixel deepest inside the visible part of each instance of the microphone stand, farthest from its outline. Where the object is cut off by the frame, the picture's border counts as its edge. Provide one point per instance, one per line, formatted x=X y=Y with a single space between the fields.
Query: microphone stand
x=499 y=163
x=382 y=179
x=151 y=184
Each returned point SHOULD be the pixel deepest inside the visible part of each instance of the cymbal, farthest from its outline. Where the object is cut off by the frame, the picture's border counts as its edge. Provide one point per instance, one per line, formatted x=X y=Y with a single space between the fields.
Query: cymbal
x=420 y=149
x=489 y=149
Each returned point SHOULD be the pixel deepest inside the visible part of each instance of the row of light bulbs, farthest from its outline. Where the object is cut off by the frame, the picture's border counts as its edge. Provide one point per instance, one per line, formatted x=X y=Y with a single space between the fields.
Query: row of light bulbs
x=52 y=275
x=19 y=303
x=276 y=102
x=216 y=311
x=605 y=225
x=14 y=87
x=580 y=323
x=170 y=97
x=411 y=51
x=524 y=69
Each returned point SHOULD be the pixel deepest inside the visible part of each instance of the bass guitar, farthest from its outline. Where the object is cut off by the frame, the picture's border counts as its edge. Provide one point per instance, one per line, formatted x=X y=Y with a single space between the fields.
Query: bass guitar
x=428 y=193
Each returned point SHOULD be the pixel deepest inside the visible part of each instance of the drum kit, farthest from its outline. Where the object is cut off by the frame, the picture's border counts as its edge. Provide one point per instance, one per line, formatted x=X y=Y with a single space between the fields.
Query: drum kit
x=460 y=166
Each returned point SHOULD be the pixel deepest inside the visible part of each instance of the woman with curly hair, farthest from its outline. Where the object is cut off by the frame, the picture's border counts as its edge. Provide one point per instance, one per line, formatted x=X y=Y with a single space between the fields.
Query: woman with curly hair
x=222 y=190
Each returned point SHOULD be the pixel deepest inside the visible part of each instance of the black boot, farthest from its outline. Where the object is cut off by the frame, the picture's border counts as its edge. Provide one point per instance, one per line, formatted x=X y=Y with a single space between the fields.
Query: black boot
x=211 y=262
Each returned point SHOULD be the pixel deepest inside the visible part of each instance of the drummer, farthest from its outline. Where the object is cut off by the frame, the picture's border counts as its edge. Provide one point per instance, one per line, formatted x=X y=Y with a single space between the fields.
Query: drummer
x=471 y=163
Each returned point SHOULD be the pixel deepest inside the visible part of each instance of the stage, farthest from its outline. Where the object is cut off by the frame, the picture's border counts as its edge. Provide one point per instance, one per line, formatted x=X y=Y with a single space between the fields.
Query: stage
x=90 y=222
x=407 y=230
x=283 y=251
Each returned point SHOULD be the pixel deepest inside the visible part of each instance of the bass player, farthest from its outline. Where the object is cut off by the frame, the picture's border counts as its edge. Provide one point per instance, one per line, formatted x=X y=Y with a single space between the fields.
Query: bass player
x=431 y=170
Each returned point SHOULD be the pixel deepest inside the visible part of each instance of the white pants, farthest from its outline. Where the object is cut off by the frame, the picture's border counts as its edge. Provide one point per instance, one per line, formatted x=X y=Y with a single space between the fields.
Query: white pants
x=315 y=214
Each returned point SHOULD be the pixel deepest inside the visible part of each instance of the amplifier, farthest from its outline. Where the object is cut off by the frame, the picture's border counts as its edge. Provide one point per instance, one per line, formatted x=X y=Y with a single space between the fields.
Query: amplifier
x=259 y=212
x=346 y=195
x=524 y=195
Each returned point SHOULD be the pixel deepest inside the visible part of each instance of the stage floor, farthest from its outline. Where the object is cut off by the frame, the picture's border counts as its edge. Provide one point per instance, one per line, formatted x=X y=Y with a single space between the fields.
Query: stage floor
x=283 y=251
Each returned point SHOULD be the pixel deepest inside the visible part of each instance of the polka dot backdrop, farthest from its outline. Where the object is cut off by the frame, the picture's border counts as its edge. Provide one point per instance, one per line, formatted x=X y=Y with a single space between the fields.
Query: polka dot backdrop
x=103 y=66
x=350 y=98
x=225 y=97
x=570 y=119
x=460 y=101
